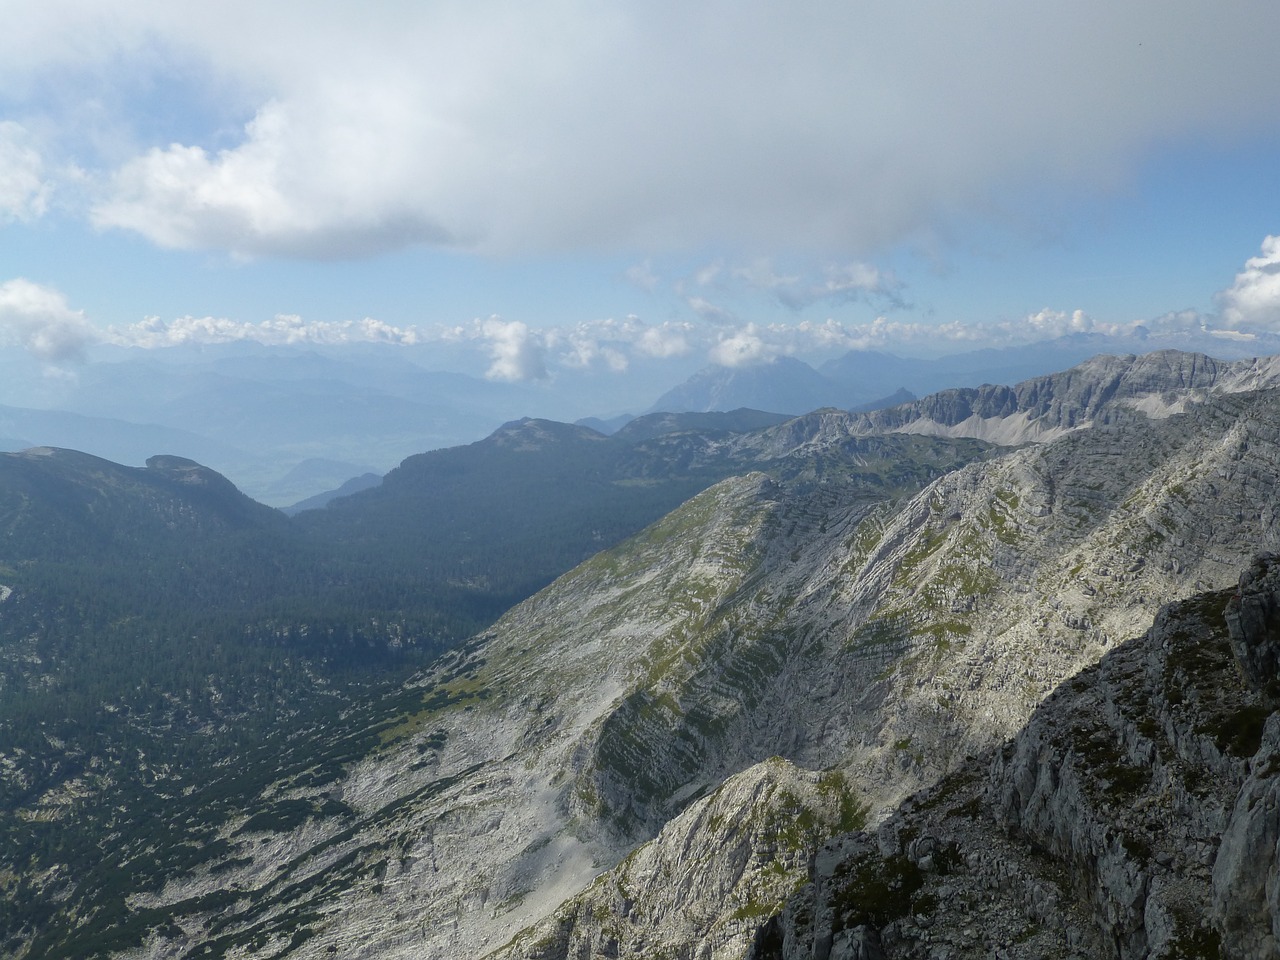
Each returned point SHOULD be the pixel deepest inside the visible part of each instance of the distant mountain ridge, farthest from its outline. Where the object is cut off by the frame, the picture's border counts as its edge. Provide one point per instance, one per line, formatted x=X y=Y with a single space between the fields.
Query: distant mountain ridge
x=255 y=413
x=1159 y=384
x=783 y=385
x=869 y=379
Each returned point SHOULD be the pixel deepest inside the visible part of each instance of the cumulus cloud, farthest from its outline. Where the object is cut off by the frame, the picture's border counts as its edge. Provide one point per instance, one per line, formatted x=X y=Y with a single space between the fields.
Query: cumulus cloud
x=706 y=310
x=24 y=190
x=667 y=340
x=261 y=198
x=574 y=125
x=516 y=351
x=39 y=319
x=743 y=348
x=585 y=351
x=745 y=345
x=1253 y=300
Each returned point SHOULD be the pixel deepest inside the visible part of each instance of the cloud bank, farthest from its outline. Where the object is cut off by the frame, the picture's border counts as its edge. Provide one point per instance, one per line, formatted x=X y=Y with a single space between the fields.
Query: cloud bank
x=39 y=319
x=570 y=125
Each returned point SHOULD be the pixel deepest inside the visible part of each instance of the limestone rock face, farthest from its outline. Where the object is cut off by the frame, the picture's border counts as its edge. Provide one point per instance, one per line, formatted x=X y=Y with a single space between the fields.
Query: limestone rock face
x=1246 y=872
x=1253 y=617
x=1135 y=816
x=703 y=885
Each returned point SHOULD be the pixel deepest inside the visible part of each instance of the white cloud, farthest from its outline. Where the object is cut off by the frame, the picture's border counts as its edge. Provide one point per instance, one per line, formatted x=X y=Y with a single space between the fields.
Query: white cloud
x=24 y=191
x=571 y=125
x=743 y=345
x=667 y=340
x=39 y=319
x=706 y=310
x=743 y=348
x=855 y=280
x=1047 y=324
x=611 y=344
x=1253 y=300
x=706 y=276
x=517 y=354
x=264 y=198
x=585 y=351
x=642 y=276
x=515 y=351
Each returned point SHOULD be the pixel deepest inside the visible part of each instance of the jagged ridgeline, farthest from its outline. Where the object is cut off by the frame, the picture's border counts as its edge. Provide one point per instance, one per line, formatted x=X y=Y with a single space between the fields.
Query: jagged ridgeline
x=169 y=648
x=641 y=759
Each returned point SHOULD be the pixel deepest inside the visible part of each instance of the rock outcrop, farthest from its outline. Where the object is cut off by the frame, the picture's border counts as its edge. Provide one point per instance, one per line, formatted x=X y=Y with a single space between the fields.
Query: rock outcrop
x=1135 y=816
x=1253 y=618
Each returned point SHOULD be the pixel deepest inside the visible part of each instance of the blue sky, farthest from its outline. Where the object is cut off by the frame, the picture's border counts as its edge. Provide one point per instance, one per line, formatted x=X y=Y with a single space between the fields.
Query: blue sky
x=595 y=185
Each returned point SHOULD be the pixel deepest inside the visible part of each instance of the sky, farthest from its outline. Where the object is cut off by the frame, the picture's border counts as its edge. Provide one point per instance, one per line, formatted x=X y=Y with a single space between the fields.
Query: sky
x=574 y=184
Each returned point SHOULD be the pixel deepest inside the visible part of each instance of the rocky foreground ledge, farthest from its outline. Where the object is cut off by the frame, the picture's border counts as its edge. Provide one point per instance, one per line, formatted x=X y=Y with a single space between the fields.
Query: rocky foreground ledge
x=1137 y=815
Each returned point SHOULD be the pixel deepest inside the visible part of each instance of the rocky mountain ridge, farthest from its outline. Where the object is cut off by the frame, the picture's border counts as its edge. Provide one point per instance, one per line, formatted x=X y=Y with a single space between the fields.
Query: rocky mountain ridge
x=1045 y=407
x=951 y=614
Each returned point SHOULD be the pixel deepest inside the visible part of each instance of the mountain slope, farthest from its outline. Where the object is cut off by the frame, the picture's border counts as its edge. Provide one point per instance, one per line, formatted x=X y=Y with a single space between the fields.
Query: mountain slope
x=1134 y=816
x=924 y=634
x=484 y=526
x=782 y=385
x=259 y=687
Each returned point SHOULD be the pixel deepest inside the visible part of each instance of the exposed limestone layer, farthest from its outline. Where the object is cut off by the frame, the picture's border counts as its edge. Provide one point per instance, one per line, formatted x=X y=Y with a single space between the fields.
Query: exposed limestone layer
x=1134 y=817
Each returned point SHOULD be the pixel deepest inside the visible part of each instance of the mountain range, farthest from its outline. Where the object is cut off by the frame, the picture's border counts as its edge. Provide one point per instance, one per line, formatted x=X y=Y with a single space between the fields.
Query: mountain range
x=290 y=422
x=676 y=747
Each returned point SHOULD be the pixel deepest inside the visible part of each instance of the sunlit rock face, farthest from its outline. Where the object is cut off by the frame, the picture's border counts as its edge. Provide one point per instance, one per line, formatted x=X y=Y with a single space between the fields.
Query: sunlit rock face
x=1134 y=816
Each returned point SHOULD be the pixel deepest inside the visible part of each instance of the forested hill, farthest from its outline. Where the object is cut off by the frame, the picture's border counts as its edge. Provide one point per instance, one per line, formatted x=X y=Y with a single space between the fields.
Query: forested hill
x=483 y=526
x=106 y=567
